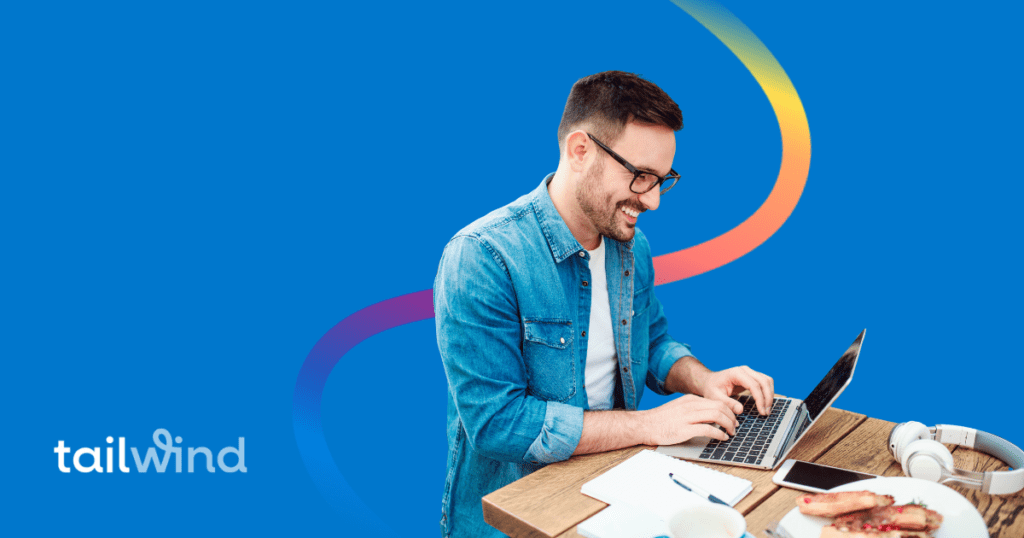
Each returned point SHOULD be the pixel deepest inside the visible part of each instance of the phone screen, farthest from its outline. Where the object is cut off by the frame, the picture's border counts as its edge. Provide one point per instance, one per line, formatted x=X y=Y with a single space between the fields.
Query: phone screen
x=818 y=476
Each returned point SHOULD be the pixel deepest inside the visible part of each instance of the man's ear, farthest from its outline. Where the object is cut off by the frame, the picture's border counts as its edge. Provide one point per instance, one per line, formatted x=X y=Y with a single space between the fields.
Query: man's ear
x=578 y=150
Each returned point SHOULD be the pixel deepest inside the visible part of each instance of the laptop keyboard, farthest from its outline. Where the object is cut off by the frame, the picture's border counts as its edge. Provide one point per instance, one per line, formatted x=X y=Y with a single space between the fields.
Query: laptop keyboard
x=753 y=435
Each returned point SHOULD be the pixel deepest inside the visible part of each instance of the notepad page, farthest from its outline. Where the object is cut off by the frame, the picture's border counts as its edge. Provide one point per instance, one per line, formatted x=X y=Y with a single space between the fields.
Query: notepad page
x=643 y=481
x=623 y=521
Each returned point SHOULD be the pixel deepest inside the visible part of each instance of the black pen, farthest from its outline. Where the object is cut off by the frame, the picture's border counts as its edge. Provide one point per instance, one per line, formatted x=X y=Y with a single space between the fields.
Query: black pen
x=698 y=491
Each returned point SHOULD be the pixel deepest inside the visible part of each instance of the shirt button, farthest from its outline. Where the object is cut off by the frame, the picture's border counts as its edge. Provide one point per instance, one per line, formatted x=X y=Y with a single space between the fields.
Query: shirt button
x=584 y=334
x=623 y=322
x=582 y=254
x=585 y=284
x=627 y=273
x=562 y=340
x=625 y=368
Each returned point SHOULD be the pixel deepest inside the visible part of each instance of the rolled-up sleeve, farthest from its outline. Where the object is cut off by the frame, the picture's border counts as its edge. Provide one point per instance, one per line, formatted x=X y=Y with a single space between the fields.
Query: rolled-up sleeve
x=479 y=336
x=563 y=426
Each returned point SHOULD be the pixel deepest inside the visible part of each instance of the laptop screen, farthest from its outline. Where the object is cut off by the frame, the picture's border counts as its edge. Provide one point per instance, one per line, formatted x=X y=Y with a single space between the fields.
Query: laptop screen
x=822 y=396
x=830 y=387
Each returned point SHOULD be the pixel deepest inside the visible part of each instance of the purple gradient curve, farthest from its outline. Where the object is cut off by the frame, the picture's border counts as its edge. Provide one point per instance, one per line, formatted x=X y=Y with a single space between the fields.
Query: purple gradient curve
x=309 y=389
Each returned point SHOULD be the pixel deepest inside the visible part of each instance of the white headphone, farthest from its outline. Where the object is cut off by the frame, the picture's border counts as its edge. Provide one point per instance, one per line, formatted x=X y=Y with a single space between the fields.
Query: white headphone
x=921 y=452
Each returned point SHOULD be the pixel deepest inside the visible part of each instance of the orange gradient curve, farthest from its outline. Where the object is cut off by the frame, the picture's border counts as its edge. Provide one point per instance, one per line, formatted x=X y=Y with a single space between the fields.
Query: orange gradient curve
x=796 y=151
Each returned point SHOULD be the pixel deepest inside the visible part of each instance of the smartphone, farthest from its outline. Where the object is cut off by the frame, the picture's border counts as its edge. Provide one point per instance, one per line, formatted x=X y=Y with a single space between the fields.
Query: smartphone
x=815 y=478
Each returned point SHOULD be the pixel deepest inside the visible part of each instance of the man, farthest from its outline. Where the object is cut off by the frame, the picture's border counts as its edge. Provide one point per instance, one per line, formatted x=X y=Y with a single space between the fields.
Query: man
x=547 y=322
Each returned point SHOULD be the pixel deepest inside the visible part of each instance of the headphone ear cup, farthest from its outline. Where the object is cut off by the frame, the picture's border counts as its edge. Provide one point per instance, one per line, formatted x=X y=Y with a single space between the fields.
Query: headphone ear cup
x=927 y=459
x=903 y=435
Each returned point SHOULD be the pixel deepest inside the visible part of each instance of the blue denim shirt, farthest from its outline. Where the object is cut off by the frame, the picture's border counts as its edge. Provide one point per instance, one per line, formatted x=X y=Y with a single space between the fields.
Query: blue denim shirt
x=512 y=306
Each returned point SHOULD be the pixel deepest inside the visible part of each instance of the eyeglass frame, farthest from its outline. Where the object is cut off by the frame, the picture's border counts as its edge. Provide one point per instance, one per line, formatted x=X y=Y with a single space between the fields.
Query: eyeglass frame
x=672 y=174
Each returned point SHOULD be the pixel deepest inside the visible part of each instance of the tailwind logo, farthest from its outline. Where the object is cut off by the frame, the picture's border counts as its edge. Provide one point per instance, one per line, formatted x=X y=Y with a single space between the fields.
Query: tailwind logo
x=162 y=440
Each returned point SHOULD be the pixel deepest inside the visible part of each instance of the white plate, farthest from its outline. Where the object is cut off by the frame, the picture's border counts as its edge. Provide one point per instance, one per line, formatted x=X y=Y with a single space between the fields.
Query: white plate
x=959 y=517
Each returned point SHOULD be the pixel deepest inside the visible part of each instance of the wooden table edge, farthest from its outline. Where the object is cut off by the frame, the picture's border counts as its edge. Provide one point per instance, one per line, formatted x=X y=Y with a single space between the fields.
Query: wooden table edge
x=506 y=522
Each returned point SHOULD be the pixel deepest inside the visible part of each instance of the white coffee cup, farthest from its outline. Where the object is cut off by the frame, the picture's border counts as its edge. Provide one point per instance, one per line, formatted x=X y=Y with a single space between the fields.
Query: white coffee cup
x=708 y=520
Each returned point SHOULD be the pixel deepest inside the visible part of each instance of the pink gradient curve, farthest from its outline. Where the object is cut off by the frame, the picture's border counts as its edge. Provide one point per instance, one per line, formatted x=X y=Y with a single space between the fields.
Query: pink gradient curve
x=796 y=151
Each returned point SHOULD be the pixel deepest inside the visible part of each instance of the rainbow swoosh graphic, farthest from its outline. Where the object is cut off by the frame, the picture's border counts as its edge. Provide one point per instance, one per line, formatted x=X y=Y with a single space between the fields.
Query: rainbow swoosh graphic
x=748 y=235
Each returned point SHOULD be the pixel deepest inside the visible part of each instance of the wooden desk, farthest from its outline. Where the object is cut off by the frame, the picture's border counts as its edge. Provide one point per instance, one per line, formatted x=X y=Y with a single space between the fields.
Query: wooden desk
x=548 y=503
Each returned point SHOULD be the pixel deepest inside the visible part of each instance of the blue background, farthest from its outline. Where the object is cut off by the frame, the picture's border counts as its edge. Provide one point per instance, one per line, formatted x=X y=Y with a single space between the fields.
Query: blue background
x=193 y=193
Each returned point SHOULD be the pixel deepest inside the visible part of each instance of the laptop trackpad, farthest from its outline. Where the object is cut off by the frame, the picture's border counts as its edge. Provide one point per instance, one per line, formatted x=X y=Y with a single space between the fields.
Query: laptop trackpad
x=690 y=449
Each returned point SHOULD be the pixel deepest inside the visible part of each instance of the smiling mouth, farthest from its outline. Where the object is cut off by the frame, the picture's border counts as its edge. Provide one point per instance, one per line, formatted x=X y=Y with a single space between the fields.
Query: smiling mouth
x=631 y=212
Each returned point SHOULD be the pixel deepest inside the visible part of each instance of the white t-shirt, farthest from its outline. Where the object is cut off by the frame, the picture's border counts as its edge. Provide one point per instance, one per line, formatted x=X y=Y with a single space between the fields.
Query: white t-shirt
x=602 y=362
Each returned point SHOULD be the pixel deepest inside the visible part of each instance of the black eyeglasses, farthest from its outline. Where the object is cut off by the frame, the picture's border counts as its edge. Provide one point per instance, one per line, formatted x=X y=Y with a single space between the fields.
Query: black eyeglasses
x=643 y=182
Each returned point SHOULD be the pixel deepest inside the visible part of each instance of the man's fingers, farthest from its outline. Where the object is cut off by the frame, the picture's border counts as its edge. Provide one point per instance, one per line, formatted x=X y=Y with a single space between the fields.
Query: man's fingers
x=716 y=416
x=733 y=406
x=712 y=432
x=734 y=380
x=729 y=407
x=708 y=411
x=745 y=377
x=769 y=389
x=762 y=388
x=727 y=421
x=691 y=416
x=766 y=386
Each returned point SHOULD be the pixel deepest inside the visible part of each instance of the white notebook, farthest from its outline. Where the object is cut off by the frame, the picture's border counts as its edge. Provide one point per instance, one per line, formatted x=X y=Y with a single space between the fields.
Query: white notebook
x=643 y=481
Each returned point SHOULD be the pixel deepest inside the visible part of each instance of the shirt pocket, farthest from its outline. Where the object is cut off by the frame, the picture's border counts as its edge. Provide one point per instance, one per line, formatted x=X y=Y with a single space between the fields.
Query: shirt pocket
x=547 y=352
x=641 y=337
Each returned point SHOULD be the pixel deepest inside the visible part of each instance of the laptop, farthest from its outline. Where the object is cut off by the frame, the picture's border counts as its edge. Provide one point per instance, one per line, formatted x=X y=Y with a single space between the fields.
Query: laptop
x=763 y=442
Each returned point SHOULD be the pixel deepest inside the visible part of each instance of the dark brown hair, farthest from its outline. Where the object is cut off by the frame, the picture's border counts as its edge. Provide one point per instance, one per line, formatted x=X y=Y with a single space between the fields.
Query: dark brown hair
x=607 y=101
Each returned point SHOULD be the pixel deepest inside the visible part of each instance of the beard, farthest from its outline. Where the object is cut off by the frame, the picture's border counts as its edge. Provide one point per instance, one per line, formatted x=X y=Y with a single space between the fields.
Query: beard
x=600 y=208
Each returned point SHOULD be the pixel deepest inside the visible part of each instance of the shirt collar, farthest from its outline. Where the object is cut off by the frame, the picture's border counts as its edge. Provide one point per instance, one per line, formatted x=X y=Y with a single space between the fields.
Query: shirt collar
x=560 y=239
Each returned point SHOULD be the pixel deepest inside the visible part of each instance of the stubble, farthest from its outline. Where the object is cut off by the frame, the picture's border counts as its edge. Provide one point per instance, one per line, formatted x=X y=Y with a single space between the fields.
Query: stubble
x=600 y=208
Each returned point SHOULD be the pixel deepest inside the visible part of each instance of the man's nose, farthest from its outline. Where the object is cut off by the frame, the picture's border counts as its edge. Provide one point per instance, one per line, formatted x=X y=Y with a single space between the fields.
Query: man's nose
x=652 y=198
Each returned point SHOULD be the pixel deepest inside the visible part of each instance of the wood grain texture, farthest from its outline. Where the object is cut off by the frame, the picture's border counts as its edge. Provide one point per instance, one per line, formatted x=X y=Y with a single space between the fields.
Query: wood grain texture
x=855 y=449
x=548 y=503
x=772 y=509
x=865 y=449
x=1003 y=514
x=826 y=432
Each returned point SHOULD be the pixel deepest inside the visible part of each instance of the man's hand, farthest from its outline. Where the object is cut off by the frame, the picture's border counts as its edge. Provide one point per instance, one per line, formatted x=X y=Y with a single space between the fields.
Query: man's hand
x=687 y=417
x=722 y=386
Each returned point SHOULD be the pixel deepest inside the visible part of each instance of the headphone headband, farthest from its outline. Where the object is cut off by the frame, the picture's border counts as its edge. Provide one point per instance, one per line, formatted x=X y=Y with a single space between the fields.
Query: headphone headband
x=992 y=482
x=954 y=435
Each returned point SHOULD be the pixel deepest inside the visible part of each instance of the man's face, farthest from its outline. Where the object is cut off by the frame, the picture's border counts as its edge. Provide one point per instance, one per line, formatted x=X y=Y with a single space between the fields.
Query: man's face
x=603 y=192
